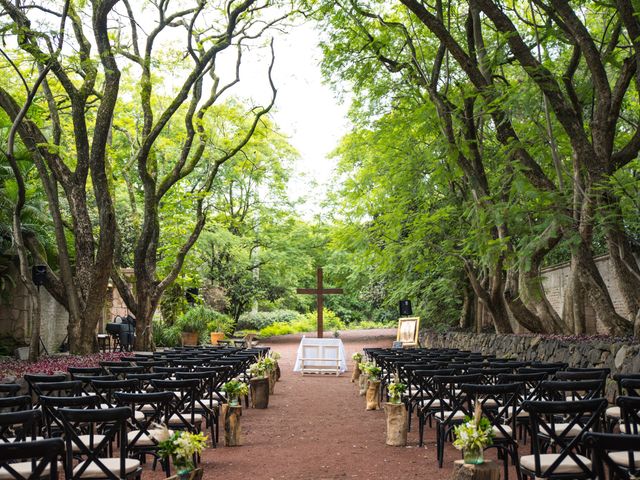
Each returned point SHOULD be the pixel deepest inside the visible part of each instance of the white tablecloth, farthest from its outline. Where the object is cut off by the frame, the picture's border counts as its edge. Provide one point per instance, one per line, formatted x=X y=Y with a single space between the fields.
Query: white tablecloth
x=334 y=342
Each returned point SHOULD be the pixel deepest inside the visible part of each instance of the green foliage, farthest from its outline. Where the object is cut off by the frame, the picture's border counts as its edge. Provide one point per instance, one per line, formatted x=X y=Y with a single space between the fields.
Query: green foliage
x=330 y=319
x=196 y=319
x=219 y=322
x=278 y=328
x=260 y=320
x=165 y=335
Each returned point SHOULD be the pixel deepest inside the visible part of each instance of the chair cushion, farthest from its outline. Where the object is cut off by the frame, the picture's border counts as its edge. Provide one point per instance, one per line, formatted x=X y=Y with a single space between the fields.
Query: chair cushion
x=623 y=428
x=143 y=441
x=566 y=466
x=176 y=420
x=613 y=412
x=622 y=458
x=138 y=415
x=112 y=464
x=498 y=433
x=447 y=415
x=573 y=432
x=25 y=469
x=434 y=403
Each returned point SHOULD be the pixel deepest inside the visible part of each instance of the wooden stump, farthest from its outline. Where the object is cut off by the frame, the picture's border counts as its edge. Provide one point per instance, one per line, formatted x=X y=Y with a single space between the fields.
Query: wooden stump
x=373 y=395
x=231 y=419
x=273 y=378
x=397 y=424
x=484 y=471
x=278 y=372
x=356 y=373
x=363 y=384
x=259 y=388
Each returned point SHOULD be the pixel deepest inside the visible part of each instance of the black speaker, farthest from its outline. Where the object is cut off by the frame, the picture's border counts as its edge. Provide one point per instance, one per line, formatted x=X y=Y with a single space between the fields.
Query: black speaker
x=39 y=275
x=405 y=307
x=191 y=294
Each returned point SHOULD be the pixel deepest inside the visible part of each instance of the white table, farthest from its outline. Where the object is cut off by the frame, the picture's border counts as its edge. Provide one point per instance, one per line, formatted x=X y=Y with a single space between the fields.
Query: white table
x=321 y=355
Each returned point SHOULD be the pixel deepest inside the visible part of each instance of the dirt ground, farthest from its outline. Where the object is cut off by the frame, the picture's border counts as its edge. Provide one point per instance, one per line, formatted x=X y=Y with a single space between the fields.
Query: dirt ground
x=316 y=427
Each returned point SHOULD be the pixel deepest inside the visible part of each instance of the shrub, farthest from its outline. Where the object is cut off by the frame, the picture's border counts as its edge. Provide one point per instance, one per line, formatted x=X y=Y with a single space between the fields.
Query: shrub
x=278 y=328
x=331 y=320
x=196 y=319
x=166 y=336
x=220 y=323
x=260 y=320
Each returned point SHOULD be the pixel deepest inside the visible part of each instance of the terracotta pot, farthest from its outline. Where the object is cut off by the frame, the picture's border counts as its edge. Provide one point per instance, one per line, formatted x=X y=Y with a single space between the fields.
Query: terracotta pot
x=373 y=395
x=259 y=388
x=397 y=424
x=190 y=338
x=215 y=336
x=356 y=373
x=363 y=384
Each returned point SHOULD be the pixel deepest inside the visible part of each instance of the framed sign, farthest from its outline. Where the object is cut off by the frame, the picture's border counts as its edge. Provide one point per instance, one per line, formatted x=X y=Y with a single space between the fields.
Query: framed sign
x=408 y=329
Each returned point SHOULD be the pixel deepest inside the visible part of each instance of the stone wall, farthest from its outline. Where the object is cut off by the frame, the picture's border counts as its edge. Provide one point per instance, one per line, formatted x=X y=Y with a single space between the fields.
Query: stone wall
x=15 y=315
x=619 y=356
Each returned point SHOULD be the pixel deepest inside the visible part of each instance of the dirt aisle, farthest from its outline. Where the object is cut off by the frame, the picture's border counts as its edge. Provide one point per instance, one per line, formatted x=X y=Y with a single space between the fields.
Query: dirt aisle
x=316 y=427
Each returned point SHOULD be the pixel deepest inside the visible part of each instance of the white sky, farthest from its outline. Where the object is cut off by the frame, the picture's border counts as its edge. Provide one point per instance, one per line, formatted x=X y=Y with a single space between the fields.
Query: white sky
x=306 y=110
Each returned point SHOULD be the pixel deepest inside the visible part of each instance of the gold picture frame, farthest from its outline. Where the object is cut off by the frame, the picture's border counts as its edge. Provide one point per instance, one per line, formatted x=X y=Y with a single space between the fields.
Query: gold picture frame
x=408 y=331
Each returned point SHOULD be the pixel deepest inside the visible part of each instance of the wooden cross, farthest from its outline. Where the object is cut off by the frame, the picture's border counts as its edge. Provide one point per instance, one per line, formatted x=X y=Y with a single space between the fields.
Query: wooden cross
x=320 y=292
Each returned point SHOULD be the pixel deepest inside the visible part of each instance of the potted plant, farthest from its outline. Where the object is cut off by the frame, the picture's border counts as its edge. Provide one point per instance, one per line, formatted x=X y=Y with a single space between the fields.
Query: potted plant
x=192 y=324
x=373 y=388
x=218 y=325
x=357 y=358
x=473 y=436
x=397 y=420
x=259 y=385
x=180 y=447
x=234 y=390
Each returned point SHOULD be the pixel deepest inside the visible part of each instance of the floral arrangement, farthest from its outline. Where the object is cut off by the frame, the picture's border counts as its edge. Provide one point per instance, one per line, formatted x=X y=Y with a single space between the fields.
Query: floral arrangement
x=275 y=355
x=473 y=433
x=372 y=370
x=234 y=390
x=180 y=446
x=262 y=367
x=396 y=390
x=357 y=357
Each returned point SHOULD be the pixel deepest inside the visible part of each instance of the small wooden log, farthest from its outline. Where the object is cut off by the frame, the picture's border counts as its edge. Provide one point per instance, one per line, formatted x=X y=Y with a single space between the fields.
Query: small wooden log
x=232 y=431
x=259 y=388
x=363 y=383
x=397 y=424
x=356 y=373
x=484 y=471
x=278 y=371
x=273 y=378
x=373 y=396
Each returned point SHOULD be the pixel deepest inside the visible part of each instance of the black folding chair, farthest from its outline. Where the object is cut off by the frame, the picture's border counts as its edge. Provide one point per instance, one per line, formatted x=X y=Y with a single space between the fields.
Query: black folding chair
x=9 y=389
x=43 y=460
x=112 y=424
x=617 y=453
x=578 y=417
x=155 y=408
x=20 y=425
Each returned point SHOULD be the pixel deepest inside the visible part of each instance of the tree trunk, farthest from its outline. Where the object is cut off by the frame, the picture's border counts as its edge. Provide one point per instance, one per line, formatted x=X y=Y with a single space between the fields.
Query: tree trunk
x=467 y=310
x=573 y=311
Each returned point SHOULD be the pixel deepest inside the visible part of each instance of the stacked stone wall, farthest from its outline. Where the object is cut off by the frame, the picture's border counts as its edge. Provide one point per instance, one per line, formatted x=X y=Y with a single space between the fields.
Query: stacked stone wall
x=618 y=355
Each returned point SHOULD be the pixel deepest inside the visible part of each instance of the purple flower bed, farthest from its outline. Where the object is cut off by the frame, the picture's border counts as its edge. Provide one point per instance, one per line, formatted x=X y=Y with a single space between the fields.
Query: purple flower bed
x=50 y=365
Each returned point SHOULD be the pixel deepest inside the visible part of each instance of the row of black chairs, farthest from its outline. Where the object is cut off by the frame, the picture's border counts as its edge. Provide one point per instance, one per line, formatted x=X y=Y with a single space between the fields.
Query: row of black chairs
x=562 y=408
x=117 y=403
